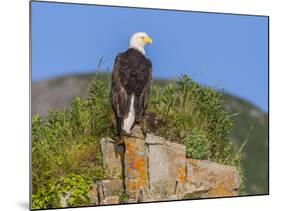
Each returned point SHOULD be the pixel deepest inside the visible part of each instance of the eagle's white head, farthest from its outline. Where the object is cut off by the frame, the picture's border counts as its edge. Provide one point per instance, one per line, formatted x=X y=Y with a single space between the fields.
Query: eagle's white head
x=139 y=40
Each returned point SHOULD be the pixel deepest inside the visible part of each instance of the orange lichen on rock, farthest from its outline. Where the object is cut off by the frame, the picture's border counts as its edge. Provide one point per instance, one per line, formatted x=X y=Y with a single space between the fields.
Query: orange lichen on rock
x=217 y=180
x=220 y=191
x=135 y=158
x=181 y=174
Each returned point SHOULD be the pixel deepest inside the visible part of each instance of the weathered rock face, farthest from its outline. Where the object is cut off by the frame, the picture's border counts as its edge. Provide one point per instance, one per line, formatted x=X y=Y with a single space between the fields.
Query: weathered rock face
x=106 y=192
x=154 y=169
x=135 y=165
x=211 y=179
x=112 y=156
x=167 y=164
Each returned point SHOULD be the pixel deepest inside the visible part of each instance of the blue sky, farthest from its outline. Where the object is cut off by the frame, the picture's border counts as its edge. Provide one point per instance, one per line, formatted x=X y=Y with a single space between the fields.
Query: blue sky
x=228 y=52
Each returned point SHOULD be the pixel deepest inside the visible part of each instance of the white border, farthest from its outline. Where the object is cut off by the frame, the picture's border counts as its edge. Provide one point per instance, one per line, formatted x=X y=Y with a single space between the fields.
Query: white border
x=14 y=105
x=231 y=6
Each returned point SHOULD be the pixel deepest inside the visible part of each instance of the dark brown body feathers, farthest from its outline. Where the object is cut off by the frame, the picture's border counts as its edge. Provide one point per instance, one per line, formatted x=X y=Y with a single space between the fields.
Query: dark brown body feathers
x=132 y=74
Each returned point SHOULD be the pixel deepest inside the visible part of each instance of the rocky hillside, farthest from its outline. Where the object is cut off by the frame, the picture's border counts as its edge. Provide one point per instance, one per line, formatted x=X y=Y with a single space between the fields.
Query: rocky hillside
x=251 y=124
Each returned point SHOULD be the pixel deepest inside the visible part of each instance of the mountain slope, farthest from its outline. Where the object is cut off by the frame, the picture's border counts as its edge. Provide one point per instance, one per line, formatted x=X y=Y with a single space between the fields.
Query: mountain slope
x=252 y=124
x=57 y=93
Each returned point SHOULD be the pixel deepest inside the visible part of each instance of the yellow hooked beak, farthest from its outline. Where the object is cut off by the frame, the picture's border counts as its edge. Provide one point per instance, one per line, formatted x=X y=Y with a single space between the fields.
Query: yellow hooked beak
x=147 y=40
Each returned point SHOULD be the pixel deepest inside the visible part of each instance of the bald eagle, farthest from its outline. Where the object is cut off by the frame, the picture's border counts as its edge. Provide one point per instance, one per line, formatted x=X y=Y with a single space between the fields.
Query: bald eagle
x=131 y=82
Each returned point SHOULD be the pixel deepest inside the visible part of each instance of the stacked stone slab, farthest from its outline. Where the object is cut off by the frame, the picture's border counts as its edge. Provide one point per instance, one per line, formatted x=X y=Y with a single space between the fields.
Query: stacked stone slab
x=106 y=192
x=112 y=154
x=167 y=168
x=206 y=179
x=135 y=165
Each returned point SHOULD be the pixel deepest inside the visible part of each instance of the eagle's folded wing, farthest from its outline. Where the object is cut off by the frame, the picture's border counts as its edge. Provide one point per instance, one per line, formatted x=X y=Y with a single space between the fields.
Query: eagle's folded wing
x=120 y=98
x=142 y=100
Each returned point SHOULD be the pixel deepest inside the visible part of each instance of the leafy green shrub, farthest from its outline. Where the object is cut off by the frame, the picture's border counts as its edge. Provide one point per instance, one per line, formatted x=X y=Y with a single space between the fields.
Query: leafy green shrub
x=46 y=197
x=77 y=188
x=197 y=146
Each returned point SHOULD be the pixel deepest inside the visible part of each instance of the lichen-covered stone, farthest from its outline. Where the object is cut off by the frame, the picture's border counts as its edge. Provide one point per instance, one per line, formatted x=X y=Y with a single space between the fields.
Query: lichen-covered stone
x=112 y=157
x=211 y=179
x=109 y=187
x=167 y=165
x=135 y=164
x=108 y=191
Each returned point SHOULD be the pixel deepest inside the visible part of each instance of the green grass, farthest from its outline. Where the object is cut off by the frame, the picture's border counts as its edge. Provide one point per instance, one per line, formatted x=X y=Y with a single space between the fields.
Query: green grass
x=65 y=145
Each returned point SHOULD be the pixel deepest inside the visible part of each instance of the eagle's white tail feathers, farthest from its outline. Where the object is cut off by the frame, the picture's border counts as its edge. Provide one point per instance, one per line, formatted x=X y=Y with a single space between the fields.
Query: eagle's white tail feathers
x=129 y=121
